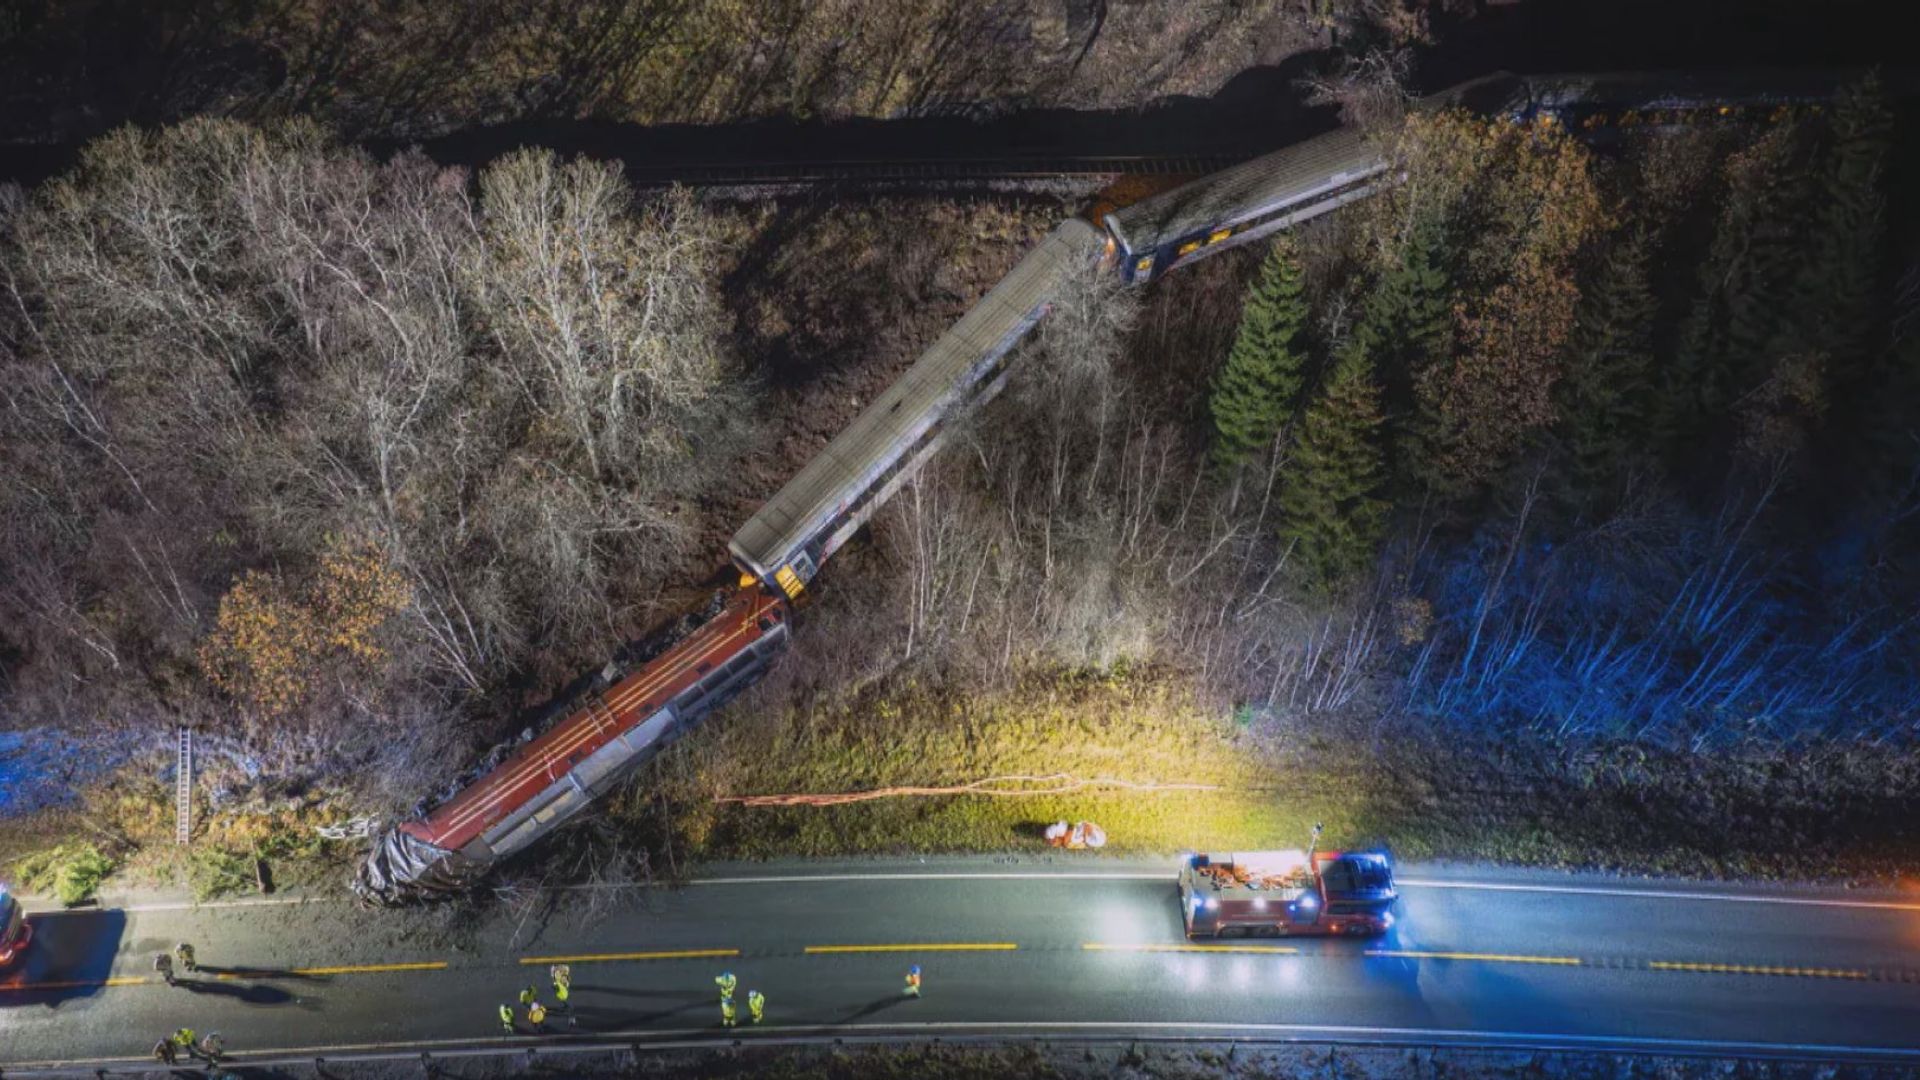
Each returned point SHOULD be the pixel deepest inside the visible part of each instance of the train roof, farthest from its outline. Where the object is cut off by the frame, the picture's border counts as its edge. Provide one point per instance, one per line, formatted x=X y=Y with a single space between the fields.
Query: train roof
x=854 y=466
x=1253 y=188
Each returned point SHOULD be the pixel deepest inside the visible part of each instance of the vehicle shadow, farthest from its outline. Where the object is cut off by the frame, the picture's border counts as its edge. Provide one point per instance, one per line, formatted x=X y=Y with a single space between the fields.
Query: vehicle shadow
x=70 y=957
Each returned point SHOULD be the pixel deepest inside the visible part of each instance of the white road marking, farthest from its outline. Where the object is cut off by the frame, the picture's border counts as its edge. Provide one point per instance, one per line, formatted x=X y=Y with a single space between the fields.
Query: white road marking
x=1625 y=892
x=943 y=875
x=1294 y=1032
x=141 y=909
x=1664 y=894
x=1620 y=892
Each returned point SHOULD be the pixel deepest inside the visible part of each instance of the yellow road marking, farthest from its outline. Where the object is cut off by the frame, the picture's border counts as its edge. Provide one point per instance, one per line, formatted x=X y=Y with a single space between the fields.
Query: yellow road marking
x=590 y=958
x=980 y=946
x=1490 y=958
x=1760 y=969
x=1274 y=950
x=370 y=969
x=77 y=984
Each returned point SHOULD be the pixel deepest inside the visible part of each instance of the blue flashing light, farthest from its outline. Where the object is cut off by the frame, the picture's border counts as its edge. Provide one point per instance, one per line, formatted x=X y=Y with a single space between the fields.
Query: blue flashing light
x=1308 y=902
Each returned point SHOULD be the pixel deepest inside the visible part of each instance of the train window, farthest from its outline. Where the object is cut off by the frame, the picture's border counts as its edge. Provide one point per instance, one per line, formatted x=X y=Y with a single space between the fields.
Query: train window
x=1144 y=265
x=1218 y=235
x=1187 y=248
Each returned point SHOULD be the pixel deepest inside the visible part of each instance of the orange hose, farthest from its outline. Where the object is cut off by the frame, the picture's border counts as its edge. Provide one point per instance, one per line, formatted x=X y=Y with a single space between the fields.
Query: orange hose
x=1056 y=784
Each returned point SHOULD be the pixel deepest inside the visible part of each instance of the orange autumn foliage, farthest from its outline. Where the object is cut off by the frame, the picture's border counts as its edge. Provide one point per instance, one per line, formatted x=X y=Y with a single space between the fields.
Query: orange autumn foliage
x=271 y=642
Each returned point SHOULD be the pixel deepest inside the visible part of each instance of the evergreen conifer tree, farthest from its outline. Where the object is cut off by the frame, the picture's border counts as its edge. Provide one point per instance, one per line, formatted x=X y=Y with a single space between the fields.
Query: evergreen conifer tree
x=1331 y=511
x=1836 y=297
x=1258 y=387
x=1406 y=326
x=1605 y=386
x=1407 y=320
x=1729 y=339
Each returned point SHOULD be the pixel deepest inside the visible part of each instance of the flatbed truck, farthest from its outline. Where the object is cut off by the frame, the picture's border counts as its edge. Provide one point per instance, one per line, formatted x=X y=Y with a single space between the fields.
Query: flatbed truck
x=1288 y=893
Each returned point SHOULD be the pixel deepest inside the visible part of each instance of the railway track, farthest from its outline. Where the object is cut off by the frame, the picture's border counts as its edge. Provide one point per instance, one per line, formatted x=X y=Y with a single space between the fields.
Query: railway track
x=927 y=170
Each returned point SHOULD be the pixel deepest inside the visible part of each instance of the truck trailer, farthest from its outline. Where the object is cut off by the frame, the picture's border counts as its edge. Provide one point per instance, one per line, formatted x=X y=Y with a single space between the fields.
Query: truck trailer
x=1287 y=894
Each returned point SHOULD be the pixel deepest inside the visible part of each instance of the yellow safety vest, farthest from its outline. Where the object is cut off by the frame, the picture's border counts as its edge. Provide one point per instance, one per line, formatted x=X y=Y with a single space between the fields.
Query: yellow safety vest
x=537 y=1013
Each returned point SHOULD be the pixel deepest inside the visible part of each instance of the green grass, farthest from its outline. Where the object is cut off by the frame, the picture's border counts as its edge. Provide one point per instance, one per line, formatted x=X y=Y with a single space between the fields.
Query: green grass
x=1764 y=811
x=1088 y=728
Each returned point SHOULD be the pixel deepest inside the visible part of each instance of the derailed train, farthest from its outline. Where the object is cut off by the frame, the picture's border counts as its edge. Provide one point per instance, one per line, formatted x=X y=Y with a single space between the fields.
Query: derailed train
x=624 y=719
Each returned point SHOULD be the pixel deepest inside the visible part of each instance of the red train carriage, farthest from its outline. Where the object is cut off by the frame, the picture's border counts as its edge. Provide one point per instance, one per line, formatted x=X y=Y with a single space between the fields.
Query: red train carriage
x=608 y=735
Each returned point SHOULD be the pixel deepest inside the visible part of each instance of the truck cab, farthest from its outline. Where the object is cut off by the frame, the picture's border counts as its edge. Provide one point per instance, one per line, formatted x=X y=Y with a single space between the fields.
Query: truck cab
x=1287 y=893
x=15 y=930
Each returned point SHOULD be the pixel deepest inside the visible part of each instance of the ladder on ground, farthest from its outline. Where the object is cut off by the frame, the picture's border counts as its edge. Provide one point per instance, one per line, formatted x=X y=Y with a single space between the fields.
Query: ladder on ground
x=183 y=789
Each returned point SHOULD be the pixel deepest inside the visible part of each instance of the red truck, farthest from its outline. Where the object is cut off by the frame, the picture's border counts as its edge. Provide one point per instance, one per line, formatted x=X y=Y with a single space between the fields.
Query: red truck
x=1287 y=894
x=15 y=930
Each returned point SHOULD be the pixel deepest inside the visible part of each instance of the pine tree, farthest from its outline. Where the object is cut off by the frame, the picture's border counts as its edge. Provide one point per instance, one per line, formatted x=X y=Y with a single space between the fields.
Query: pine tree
x=1257 y=388
x=1835 y=301
x=1729 y=339
x=1330 y=510
x=1604 y=389
x=1407 y=320
x=1406 y=325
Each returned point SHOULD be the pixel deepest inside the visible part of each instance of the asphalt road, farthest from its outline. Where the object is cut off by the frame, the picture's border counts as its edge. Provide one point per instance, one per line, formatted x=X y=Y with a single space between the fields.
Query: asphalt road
x=1086 y=948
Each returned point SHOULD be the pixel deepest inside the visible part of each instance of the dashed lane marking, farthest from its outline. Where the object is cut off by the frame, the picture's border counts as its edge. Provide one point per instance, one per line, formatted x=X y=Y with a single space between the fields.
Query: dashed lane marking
x=77 y=984
x=1760 y=969
x=372 y=969
x=1487 y=958
x=1271 y=950
x=596 y=958
x=225 y=976
x=963 y=946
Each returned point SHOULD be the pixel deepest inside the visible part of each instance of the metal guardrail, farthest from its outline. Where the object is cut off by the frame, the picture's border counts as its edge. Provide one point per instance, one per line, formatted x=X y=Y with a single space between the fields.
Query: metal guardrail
x=627 y=1051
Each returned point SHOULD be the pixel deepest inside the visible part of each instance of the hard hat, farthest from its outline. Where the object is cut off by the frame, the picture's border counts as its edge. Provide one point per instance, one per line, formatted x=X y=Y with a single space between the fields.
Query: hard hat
x=915 y=969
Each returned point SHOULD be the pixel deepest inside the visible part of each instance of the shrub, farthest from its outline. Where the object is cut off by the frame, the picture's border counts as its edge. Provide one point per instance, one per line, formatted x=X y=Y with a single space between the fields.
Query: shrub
x=213 y=872
x=72 y=872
